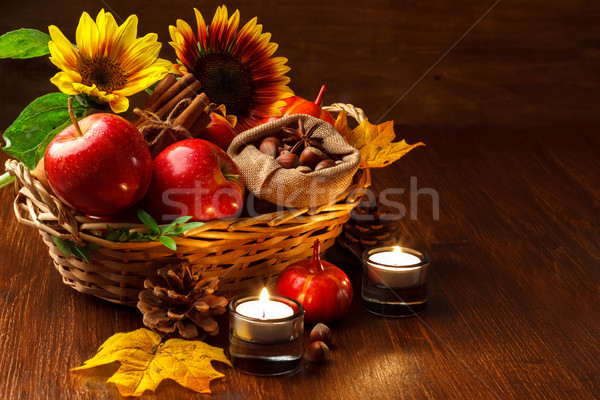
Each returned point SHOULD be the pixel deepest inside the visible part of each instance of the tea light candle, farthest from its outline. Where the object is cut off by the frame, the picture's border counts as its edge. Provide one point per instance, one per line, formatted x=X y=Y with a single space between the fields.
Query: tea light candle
x=264 y=320
x=396 y=268
x=264 y=308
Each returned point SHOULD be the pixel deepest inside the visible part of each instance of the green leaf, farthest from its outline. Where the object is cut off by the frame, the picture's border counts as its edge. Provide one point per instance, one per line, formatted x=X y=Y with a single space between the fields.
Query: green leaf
x=148 y=221
x=63 y=245
x=164 y=230
x=24 y=43
x=27 y=138
x=185 y=227
x=168 y=242
x=81 y=252
x=68 y=247
x=92 y=246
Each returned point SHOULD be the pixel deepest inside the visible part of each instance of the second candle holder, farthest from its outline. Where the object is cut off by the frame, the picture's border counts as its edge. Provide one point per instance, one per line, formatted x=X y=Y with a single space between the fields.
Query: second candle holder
x=265 y=345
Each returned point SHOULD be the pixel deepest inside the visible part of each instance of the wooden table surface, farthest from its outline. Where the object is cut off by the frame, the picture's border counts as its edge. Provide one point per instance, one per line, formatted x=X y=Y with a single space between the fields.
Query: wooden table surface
x=509 y=113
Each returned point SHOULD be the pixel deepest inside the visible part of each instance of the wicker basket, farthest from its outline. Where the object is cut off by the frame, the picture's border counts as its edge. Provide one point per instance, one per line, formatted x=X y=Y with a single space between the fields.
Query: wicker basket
x=246 y=253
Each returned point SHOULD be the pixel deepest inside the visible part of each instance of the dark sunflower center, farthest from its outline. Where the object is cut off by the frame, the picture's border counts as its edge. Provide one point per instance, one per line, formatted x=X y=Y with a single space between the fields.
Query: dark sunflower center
x=225 y=80
x=106 y=74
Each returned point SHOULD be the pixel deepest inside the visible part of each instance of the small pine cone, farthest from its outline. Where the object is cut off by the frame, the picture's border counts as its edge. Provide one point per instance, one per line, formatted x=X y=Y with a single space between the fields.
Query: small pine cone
x=179 y=299
x=371 y=225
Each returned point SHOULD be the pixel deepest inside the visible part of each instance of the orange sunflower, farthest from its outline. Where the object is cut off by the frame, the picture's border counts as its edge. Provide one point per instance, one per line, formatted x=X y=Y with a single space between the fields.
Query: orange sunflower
x=235 y=68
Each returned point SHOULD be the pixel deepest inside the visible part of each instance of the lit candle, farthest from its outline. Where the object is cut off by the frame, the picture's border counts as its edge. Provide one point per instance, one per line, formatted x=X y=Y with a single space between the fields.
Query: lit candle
x=264 y=308
x=395 y=269
x=395 y=258
x=267 y=319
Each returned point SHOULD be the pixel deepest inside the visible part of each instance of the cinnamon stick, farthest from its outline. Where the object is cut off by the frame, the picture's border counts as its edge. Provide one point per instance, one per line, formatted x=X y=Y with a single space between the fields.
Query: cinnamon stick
x=160 y=89
x=158 y=92
x=185 y=92
x=193 y=112
x=185 y=82
x=201 y=122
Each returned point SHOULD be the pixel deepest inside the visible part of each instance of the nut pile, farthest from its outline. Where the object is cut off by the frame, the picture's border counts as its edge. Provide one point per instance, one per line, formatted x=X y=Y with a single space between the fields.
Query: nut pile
x=298 y=150
x=320 y=341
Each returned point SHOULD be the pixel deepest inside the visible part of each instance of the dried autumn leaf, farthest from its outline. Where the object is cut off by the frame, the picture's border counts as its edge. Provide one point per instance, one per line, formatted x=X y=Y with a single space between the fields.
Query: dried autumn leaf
x=145 y=362
x=374 y=142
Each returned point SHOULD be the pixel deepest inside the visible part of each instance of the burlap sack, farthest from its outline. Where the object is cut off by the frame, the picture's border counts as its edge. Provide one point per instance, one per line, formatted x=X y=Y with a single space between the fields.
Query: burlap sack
x=267 y=180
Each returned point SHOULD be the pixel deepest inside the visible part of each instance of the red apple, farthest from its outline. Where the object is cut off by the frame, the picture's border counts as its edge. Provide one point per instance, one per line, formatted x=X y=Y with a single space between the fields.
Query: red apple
x=197 y=178
x=99 y=166
x=219 y=131
x=298 y=105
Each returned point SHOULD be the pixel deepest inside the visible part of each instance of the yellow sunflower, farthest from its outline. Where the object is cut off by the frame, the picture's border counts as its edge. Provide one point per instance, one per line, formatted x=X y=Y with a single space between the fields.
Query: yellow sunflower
x=235 y=68
x=109 y=62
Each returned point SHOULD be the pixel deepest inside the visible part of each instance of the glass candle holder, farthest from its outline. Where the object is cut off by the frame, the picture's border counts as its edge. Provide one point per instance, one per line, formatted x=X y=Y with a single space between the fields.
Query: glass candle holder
x=394 y=281
x=265 y=346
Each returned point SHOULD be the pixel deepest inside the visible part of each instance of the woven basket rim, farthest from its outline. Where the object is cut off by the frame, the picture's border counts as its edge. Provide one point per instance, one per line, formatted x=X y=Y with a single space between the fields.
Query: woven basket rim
x=80 y=228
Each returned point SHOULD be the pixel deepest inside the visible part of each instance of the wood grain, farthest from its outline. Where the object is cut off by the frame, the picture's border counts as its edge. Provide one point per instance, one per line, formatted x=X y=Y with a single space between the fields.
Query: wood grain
x=510 y=120
x=514 y=305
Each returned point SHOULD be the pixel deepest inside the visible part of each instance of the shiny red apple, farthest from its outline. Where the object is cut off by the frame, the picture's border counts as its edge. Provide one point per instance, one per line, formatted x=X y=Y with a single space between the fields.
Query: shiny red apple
x=194 y=178
x=219 y=131
x=101 y=165
x=322 y=288
x=298 y=105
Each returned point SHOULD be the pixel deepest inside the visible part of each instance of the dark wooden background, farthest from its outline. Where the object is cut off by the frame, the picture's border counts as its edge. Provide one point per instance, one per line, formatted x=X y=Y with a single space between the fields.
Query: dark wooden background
x=525 y=63
x=510 y=116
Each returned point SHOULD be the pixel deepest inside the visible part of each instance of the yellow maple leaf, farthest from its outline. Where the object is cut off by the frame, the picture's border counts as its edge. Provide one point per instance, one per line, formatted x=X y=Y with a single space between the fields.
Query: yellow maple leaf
x=374 y=142
x=145 y=362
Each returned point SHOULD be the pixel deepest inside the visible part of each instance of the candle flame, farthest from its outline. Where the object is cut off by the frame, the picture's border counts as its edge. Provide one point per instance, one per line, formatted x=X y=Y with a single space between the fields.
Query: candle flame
x=397 y=250
x=264 y=301
x=264 y=295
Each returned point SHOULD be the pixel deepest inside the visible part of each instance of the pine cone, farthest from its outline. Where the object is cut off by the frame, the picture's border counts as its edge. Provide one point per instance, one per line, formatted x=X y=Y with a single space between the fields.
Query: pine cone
x=179 y=299
x=371 y=225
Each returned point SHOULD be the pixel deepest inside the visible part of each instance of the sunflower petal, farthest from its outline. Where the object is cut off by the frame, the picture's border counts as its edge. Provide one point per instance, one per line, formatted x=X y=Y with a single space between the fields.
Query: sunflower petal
x=124 y=37
x=141 y=53
x=202 y=30
x=64 y=82
x=107 y=29
x=61 y=49
x=87 y=36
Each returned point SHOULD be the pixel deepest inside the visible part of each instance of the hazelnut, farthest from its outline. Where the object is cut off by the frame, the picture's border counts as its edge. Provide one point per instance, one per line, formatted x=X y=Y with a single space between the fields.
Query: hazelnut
x=304 y=169
x=317 y=352
x=270 y=146
x=288 y=161
x=325 y=164
x=321 y=332
x=311 y=156
x=283 y=151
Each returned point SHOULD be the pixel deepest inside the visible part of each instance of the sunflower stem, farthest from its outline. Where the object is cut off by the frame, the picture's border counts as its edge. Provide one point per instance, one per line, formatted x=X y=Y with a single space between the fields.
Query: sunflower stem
x=6 y=179
x=74 y=118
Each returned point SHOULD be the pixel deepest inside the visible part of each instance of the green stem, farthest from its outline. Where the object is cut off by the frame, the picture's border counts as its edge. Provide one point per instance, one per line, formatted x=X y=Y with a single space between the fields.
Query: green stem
x=6 y=179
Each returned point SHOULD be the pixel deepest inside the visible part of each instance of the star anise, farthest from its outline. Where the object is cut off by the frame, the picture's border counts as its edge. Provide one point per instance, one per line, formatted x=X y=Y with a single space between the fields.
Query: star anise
x=300 y=138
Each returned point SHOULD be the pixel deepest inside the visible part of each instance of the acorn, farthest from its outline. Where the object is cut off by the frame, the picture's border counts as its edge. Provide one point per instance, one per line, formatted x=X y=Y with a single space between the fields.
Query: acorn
x=288 y=161
x=311 y=156
x=325 y=164
x=270 y=146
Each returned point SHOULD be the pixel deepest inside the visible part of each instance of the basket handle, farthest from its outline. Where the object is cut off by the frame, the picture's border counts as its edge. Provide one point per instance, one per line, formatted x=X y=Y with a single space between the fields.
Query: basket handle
x=55 y=206
x=357 y=113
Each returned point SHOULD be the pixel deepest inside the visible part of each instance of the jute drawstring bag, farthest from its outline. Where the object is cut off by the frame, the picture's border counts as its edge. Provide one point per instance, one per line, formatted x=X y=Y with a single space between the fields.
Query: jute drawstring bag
x=267 y=180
